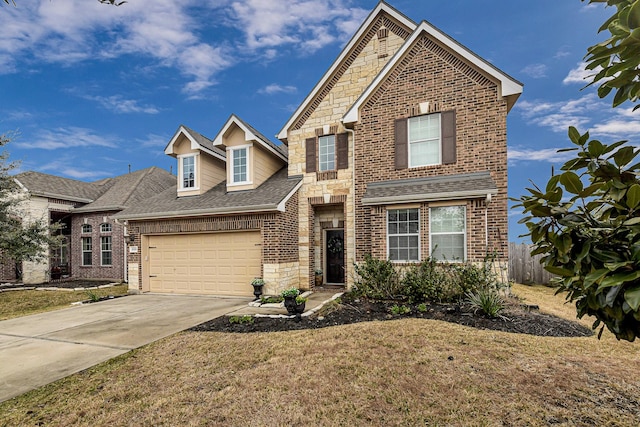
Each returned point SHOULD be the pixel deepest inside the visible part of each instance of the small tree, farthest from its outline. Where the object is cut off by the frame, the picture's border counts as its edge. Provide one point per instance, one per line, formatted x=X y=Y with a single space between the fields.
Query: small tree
x=21 y=239
x=587 y=220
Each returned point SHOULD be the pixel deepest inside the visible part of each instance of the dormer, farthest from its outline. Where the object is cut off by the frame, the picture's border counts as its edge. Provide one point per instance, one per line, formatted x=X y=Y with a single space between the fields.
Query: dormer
x=201 y=166
x=251 y=157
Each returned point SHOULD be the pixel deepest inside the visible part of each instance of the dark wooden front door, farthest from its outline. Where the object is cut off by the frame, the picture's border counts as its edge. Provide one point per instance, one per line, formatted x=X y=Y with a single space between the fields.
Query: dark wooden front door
x=334 y=250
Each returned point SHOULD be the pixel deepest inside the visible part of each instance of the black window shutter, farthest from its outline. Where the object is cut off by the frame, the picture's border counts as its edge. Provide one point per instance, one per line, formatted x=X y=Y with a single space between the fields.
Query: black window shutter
x=342 y=147
x=448 y=129
x=401 y=142
x=310 y=147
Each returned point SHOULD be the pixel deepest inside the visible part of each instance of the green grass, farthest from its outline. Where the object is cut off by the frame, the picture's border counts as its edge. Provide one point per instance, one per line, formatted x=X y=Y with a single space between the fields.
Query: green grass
x=23 y=303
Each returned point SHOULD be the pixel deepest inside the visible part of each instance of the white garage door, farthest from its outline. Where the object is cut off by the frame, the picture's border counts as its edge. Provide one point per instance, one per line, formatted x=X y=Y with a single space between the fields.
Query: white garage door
x=213 y=263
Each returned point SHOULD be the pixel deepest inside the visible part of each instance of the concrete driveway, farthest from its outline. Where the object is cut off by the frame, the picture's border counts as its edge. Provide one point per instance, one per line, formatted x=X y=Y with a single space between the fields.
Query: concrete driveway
x=42 y=348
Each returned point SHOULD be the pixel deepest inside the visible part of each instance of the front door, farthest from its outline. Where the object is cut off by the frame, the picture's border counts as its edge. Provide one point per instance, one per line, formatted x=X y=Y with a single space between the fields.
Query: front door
x=334 y=250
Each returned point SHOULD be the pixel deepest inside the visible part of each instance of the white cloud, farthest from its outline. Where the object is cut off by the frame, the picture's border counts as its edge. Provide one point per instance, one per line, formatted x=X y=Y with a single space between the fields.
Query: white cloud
x=535 y=71
x=153 y=140
x=276 y=88
x=118 y=104
x=542 y=155
x=579 y=75
x=62 y=166
x=308 y=24
x=63 y=138
x=617 y=128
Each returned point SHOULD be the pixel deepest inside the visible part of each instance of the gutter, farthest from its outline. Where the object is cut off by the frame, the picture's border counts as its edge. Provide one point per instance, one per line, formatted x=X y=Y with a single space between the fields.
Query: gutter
x=428 y=197
x=198 y=212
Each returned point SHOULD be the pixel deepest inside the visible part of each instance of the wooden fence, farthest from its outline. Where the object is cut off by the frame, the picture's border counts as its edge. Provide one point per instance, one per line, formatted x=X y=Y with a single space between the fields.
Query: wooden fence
x=524 y=268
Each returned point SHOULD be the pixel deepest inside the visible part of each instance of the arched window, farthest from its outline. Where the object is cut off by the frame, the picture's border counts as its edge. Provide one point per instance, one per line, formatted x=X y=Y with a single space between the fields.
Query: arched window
x=86 y=228
x=105 y=228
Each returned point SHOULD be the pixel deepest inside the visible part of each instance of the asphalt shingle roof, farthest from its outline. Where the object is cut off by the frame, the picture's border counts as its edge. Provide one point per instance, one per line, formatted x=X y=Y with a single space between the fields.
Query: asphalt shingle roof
x=204 y=141
x=103 y=195
x=432 y=188
x=216 y=201
x=42 y=184
x=130 y=189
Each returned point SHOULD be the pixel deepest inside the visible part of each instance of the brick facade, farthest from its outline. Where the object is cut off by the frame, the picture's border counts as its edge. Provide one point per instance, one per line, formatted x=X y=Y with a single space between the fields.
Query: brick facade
x=429 y=73
x=115 y=271
x=278 y=231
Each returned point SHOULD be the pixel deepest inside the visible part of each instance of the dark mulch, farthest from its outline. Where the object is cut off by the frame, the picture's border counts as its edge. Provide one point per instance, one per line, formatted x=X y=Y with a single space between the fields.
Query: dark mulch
x=515 y=319
x=68 y=284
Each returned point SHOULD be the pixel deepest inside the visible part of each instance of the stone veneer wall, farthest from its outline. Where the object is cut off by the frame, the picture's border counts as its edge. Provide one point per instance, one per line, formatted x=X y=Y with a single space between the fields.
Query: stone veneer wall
x=342 y=89
x=430 y=73
x=97 y=271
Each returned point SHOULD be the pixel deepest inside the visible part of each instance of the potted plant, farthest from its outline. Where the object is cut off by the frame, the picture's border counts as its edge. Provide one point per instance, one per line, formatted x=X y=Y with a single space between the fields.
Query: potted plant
x=257 y=284
x=318 y=277
x=290 y=296
x=300 y=304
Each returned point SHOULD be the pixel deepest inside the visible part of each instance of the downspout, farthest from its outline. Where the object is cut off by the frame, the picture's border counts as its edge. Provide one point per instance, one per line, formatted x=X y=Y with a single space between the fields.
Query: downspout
x=487 y=200
x=353 y=180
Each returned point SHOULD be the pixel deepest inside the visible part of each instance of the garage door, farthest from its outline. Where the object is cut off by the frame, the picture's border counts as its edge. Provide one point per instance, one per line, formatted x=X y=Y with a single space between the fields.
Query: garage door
x=214 y=263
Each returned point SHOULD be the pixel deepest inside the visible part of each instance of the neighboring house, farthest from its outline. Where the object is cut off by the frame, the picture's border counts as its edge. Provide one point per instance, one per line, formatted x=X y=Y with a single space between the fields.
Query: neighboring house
x=93 y=244
x=399 y=151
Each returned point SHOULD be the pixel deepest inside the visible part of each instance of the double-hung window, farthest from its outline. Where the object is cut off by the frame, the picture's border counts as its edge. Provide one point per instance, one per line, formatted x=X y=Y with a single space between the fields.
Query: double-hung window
x=188 y=165
x=403 y=234
x=239 y=157
x=327 y=153
x=424 y=140
x=105 y=250
x=447 y=232
x=87 y=247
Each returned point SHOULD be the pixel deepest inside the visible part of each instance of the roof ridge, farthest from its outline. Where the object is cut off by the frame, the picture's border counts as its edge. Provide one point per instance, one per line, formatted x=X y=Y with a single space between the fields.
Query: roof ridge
x=135 y=185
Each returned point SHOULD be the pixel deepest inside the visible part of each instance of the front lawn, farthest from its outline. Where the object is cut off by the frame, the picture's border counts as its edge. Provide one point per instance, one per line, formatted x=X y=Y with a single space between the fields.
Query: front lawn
x=398 y=372
x=23 y=303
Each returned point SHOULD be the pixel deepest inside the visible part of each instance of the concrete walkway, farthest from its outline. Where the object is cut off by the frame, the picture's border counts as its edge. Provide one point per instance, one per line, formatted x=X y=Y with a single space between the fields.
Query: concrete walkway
x=38 y=349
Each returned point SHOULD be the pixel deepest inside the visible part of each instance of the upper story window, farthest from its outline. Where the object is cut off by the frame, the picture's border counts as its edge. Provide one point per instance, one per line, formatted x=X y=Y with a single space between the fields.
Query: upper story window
x=447 y=233
x=424 y=140
x=403 y=234
x=105 y=228
x=327 y=153
x=239 y=160
x=86 y=228
x=188 y=172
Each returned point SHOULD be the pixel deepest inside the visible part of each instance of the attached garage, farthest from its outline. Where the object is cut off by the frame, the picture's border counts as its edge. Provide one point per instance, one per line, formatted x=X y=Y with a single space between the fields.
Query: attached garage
x=204 y=263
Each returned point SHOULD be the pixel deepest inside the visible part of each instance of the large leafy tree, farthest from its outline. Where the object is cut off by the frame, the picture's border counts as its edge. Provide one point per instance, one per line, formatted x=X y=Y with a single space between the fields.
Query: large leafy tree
x=21 y=238
x=586 y=221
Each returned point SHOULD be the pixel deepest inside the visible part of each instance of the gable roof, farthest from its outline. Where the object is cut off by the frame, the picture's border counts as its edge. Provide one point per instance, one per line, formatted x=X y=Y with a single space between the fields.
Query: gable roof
x=130 y=189
x=198 y=142
x=251 y=134
x=381 y=7
x=57 y=187
x=270 y=196
x=510 y=88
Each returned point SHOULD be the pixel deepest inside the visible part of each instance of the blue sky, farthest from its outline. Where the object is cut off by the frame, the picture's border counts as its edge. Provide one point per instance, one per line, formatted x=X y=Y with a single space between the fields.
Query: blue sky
x=89 y=89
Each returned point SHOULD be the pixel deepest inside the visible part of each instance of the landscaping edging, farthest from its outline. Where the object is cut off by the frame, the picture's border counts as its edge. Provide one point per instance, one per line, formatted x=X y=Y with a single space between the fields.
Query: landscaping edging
x=53 y=288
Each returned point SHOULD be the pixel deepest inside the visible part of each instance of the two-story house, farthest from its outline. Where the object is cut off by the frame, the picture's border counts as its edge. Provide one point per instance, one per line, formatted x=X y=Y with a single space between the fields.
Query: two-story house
x=399 y=151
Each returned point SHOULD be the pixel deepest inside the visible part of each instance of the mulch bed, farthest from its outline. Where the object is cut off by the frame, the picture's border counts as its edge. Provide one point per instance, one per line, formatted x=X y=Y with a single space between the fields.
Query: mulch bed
x=67 y=284
x=515 y=319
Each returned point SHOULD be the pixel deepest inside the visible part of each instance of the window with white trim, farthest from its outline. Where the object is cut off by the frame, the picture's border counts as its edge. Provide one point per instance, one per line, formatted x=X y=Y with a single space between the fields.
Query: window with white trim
x=424 y=140
x=105 y=228
x=447 y=233
x=188 y=171
x=403 y=234
x=87 y=248
x=105 y=250
x=86 y=228
x=327 y=153
x=239 y=165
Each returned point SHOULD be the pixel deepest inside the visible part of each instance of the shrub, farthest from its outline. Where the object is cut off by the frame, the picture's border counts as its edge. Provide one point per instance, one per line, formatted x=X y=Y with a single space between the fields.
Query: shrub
x=377 y=279
x=241 y=320
x=422 y=307
x=400 y=309
x=271 y=299
x=487 y=300
x=429 y=281
x=290 y=293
